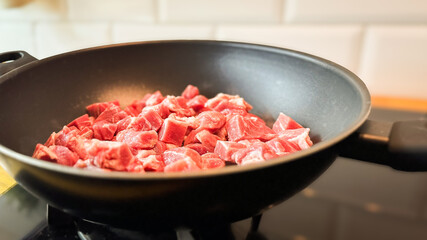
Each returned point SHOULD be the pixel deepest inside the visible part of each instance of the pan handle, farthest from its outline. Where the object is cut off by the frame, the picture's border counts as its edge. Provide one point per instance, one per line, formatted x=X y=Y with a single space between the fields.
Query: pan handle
x=14 y=59
x=400 y=145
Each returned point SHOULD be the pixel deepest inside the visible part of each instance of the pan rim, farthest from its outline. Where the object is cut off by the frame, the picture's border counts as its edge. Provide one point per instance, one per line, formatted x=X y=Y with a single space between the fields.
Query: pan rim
x=352 y=78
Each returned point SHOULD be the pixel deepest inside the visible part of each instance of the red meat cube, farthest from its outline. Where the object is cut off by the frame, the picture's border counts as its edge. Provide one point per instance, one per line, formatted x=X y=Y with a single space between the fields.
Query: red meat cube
x=160 y=147
x=97 y=108
x=112 y=114
x=124 y=123
x=282 y=146
x=44 y=153
x=211 y=120
x=110 y=155
x=182 y=165
x=197 y=103
x=190 y=92
x=154 y=99
x=104 y=130
x=138 y=139
x=225 y=149
x=228 y=103
x=191 y=122
x=153 y=118
x=59 y=154
x=178 y=105
x=212 y=160
x=153 y=163
x=180 y=153
x=257 y=152
x=198 y=147
x=248 y=127
x=283 y=123
x=86 y=132
x=172 y=131
x=161 y=109
x=191 y=137
x=207 y=139
x=298 y=136
x=82 y=122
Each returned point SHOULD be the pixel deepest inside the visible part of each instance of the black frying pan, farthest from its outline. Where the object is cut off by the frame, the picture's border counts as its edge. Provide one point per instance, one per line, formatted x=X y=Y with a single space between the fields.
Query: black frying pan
x=40 y=96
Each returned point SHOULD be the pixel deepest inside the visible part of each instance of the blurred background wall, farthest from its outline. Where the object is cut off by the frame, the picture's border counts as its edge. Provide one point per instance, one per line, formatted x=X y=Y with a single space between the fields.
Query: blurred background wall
x=382 y=41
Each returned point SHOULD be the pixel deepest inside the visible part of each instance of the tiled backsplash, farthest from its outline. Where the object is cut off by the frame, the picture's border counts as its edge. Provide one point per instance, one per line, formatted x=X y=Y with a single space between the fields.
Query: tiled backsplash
x=384 y=42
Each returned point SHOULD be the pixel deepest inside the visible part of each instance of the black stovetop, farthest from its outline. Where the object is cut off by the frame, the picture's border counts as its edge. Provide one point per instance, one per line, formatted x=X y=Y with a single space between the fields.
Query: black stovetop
x=351 y=200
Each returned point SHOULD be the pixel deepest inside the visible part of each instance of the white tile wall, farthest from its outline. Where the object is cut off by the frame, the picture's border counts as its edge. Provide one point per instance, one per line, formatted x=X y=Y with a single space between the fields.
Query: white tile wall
x=394 y=60
x=126 y=32
x=389 y=58
x=366 y=11
x=54 y=38
x=35 y=10
x=17 y=36
x=337 y=43
x=219 y=11
x=139 y=10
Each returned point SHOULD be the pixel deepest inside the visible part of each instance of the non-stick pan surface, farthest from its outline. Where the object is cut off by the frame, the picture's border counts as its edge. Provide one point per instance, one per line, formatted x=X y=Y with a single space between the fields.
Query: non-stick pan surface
x=42 y=96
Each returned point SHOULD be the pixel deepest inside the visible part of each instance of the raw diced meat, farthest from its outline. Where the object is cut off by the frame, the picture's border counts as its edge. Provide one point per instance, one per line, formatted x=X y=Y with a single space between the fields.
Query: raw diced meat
x=182 y=165
x=240 y=128
x=191 y=122
x=212 y=160
x=172 y=131
x=86 y=132
x=211 y=120
x=153 y=163
x=64 y=155
x=282 y=146
x=197 y=102
x=154 y=99
x=249 y=142
x=147 y=120
x=226 y=103
x=153 y=118
x=207 y=139
x=160 y=147
x=138 y=139
x=257 y=151
x=190 y=92
x=104 y=130
x=198 y=147
x=178 y=105
x=97 y=108
x=161 y=109
x=225 y=149
x=179 y=153
x=283 y=123
x=222 y=133
x=44 y=153
x=135 y=108
x=150 y=163
x=59 y=154
x=82 y=122
x=298 y=136
x=112 y=114
x=191 y=137
x=110 y=155
x=145 y=153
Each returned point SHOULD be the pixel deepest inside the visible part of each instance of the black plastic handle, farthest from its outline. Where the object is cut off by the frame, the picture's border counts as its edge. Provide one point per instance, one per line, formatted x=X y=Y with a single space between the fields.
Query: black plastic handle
x=400 y=145
x=13 y=60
